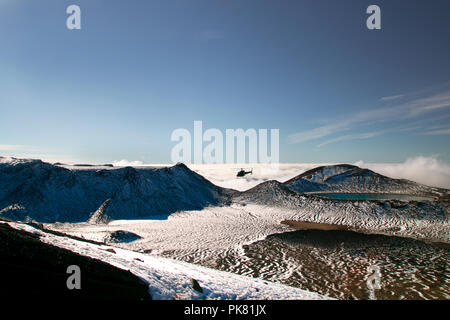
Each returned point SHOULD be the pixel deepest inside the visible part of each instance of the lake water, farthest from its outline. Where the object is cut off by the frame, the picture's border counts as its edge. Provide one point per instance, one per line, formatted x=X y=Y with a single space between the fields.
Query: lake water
x=372 y=196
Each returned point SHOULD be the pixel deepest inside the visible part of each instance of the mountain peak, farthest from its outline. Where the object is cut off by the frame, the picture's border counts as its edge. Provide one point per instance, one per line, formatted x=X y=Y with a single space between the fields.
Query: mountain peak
x=181 y=165
x=350 y=178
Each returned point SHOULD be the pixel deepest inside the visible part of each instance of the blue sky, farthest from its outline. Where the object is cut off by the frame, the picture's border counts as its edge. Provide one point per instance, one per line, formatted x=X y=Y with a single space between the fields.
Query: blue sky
x=137 y=70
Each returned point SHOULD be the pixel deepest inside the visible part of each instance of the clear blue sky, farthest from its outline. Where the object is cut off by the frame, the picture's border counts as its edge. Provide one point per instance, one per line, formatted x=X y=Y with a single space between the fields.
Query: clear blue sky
x=137 y=70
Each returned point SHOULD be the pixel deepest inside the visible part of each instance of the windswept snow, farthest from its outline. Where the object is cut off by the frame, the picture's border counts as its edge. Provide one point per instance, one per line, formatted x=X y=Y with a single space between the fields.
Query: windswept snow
x=170 y=279
x=215 y=232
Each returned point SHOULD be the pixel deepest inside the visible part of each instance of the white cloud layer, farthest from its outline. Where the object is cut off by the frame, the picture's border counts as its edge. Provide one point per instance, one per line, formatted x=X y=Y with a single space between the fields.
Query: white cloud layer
x=224 y=175
x=126 y=163
x=426 y=170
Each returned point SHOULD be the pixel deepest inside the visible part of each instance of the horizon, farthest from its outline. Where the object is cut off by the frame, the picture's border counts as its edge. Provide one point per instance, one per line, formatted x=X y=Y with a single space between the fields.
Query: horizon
x=425 y=170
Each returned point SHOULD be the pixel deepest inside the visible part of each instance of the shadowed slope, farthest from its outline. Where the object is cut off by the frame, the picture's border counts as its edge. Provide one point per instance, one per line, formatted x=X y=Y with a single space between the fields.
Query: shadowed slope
x=32 y=269
x=48 y=193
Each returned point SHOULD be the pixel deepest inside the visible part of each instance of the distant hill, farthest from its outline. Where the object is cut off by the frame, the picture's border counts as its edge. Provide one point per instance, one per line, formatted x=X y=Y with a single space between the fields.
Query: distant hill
x=349 y=178
x=270 y=193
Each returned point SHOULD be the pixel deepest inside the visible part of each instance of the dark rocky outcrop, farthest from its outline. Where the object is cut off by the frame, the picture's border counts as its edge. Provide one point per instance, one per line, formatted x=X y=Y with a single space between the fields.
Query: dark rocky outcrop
x=33 y=270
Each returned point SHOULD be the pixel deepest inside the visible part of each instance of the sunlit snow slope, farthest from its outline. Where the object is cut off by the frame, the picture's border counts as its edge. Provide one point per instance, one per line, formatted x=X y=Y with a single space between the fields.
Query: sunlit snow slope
x=170 y=279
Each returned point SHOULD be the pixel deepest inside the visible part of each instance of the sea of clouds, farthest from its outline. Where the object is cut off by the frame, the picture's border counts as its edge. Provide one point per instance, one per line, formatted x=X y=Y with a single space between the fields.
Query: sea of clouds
x=426 y=170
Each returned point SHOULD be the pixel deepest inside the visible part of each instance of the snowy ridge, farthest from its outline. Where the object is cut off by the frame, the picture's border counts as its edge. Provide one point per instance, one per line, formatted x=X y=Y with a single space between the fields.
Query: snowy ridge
x=269 y=193
x=426 y=220
x=48 y=193
x=101 y=195
x=352 y=179
x=170 y=279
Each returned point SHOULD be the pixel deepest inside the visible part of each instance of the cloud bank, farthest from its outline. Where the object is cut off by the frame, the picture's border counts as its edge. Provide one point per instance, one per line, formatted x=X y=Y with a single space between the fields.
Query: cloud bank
x=426 y=170
x=126 y=163
x=224 y=175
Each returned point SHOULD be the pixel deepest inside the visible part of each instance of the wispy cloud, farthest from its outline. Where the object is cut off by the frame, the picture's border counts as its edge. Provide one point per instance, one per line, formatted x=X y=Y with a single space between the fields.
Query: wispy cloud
x=438 y=101
x=406 y=107
x=318 y=132
x=438 y=132
x=358 y=136
x=392 y=97
x=366 y=135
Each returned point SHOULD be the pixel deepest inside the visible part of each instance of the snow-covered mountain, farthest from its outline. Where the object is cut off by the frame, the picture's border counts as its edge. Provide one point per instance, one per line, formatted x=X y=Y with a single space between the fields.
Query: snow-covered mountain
x=416 y=219
x=127 y=208
x=270 y=193
x=349 y=178
x=49 y=193
x=32 y=189
x=276 y=194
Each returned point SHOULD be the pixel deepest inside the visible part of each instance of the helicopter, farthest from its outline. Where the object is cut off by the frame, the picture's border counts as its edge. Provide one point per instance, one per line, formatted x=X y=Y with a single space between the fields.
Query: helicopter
x=242 y=173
